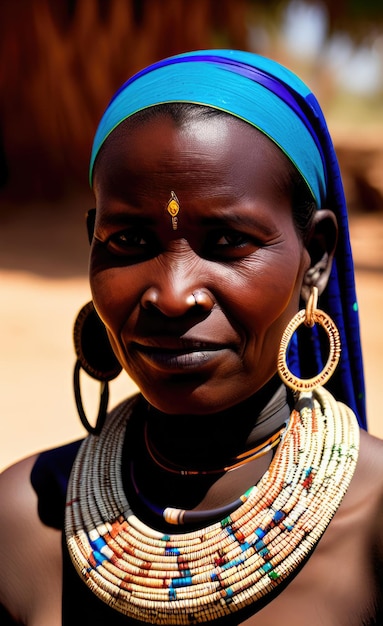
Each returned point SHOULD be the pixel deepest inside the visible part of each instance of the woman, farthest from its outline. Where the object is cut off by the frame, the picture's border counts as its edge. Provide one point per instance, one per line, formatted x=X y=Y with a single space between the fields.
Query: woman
x=234 y=488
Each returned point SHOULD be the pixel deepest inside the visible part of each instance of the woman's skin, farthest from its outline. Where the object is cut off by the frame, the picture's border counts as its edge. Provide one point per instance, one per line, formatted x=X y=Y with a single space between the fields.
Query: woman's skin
x=234 y=235
x=207 y=369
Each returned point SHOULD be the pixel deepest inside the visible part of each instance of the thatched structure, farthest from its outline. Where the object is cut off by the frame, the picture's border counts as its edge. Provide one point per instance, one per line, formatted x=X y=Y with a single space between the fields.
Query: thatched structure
x=61 y=60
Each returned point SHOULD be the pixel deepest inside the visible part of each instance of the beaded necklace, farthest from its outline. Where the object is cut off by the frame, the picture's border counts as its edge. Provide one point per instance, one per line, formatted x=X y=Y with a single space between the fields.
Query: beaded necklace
x=211 y=572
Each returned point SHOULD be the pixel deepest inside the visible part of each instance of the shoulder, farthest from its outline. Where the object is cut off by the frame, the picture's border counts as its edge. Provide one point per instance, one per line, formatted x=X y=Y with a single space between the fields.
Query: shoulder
x=22 y=539
x=371 y=471
x=370 y=464
x=16 y=493
x=368 y=484
x=362 y=505
x=30 y=547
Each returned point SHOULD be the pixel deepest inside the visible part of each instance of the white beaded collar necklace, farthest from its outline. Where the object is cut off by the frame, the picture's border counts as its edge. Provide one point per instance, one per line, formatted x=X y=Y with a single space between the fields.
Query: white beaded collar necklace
x=198 y=576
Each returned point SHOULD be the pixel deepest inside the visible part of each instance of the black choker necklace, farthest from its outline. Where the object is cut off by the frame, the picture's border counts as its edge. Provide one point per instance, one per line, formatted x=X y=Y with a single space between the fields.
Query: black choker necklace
x=241 y=459
x=269 y=428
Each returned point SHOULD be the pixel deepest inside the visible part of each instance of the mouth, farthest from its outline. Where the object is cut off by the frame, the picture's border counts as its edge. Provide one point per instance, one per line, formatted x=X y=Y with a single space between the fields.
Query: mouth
x=176 y=356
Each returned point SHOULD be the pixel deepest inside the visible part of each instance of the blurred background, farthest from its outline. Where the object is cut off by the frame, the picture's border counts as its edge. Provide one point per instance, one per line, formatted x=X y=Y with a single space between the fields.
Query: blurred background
x=60 y=62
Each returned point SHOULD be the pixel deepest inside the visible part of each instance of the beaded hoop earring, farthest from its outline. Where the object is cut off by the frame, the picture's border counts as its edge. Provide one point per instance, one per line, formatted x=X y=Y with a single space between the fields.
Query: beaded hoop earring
x=309 y=316
x=96 y=357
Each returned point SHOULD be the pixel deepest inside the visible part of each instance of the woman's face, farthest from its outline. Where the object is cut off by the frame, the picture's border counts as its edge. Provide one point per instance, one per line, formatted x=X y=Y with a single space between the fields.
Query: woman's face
x=235 y=243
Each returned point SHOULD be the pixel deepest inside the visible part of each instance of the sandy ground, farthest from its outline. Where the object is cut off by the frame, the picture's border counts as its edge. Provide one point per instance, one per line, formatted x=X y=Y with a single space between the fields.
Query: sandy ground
x=43 y=267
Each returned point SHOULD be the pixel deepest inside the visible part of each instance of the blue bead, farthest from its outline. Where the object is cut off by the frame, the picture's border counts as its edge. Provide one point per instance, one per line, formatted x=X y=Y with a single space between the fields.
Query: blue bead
x=278 y=516
x=267 y=567
x=260 y=533
x=172 y=552
x=233 y=563
x=181 y=582
x=98 y=544
x=98 y=557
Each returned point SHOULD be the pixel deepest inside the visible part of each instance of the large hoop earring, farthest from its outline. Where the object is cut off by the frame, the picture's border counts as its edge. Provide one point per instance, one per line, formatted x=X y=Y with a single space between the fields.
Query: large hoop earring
x=96 y=357
x=309 y=317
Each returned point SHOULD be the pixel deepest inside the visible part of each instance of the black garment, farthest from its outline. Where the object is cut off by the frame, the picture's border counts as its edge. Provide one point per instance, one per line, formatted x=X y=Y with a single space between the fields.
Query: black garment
x=49 y=479
x=5 y=618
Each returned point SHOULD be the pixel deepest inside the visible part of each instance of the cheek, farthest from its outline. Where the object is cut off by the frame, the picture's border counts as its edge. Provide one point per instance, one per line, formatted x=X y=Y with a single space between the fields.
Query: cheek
x=266 y=300
x=282 y=301
x=115 y=294
x=266 y=289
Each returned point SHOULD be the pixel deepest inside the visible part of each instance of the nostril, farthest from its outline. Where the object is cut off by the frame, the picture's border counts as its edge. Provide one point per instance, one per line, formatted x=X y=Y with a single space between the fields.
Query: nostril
x=150 y=298
x=174 y=304
x=203 y=300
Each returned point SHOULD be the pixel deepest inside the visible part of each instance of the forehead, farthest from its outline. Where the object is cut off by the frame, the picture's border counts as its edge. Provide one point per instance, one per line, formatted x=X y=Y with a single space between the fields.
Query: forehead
x=218 y=146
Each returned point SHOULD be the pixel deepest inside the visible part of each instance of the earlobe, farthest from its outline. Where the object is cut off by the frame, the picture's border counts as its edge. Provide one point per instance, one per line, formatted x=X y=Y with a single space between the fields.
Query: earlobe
x=321 y=247
x=90 y=222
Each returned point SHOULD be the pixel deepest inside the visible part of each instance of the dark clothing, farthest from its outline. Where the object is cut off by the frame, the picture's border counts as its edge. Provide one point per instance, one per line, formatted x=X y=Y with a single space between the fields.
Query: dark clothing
x=49 y=478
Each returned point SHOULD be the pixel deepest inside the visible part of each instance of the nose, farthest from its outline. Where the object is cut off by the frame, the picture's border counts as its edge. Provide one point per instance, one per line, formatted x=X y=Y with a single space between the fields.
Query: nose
x=177 y=305
x=176 y=289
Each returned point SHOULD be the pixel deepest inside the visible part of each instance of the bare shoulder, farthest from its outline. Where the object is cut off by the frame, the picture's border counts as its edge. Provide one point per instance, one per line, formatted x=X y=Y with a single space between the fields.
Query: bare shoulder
x=30 y=552
x=18 y=504
x=370 y=463
x=369 y=484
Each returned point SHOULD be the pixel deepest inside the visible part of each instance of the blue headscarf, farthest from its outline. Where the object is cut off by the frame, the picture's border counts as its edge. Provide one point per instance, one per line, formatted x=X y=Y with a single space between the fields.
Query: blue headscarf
x=271 y=98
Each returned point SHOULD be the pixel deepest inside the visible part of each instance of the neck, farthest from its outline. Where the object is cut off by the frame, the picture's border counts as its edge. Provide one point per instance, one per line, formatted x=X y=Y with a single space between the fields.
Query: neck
x=200 y=442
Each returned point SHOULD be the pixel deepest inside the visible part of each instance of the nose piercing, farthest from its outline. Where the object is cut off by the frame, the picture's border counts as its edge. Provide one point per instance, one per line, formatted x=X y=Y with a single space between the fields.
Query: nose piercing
x=173 y=208
x=201 y=299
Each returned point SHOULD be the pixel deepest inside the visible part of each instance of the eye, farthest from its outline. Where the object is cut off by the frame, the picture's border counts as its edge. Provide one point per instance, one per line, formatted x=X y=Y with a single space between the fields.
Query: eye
x=230 y=244
x=232 y=238
x=132 y=242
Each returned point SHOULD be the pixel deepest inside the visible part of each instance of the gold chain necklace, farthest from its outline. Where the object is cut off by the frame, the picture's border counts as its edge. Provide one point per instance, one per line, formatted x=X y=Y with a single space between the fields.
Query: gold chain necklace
x=198 y=576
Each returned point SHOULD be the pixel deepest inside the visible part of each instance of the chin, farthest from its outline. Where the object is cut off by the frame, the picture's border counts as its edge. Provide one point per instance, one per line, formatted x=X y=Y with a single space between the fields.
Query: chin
x=193 y=398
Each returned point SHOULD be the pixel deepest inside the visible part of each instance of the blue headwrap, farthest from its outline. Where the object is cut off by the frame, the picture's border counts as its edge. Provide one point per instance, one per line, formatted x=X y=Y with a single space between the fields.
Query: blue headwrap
x=268 y=96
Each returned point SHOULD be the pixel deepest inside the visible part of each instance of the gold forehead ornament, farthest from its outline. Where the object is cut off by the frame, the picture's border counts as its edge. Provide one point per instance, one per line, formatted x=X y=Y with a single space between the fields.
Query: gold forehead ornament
x=173 y=207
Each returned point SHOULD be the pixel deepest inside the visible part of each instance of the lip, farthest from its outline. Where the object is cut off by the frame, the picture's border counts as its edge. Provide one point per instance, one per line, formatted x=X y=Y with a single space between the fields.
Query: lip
x=176 y=355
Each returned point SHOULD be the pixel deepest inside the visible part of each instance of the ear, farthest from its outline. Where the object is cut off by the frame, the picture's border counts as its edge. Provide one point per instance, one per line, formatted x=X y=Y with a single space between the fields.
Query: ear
x=320 y=245
x=90 y=222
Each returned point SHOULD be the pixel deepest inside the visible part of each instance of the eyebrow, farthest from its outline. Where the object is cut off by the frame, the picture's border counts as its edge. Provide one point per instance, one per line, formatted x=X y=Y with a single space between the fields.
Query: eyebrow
x=123 y=218
x=232 y=218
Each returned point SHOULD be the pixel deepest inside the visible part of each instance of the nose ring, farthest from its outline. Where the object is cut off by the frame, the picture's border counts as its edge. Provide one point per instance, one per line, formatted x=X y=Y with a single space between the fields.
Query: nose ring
x=201 y=299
